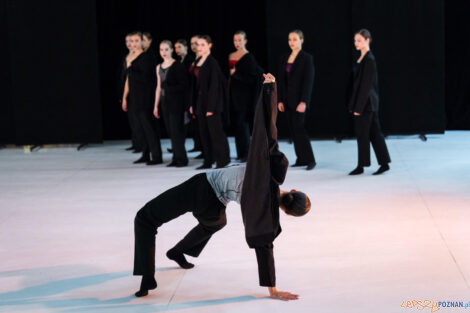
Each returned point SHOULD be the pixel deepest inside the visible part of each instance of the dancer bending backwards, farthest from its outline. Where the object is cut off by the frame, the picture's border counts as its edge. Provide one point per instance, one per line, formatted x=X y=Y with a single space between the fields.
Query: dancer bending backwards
x=254 y=185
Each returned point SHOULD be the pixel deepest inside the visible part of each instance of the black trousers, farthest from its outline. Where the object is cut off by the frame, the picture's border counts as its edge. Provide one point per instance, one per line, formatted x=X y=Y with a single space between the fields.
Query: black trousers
x=194 y=195
x=303 y=149
x=146 y=133
x=213 y=139
x=193 y=129
x=176 y=130
x=367 y=129
x=242 y=132
x=131 y=116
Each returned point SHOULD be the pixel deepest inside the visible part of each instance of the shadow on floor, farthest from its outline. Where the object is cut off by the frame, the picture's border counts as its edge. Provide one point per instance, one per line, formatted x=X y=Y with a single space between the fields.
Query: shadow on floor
x=37 y=297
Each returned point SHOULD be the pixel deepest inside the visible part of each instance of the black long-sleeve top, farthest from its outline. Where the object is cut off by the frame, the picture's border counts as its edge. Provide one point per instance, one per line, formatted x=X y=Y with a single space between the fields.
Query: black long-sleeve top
x=364 y=91
x=176 y=87
x=296 y=86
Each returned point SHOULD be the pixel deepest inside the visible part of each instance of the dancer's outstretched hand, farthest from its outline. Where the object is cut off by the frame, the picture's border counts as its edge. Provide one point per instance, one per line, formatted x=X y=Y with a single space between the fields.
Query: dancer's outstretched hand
x=281 y=295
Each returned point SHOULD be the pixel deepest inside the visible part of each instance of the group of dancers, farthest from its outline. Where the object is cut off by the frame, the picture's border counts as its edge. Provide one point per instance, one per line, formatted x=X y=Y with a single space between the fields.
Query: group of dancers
x=192 y=93
x=254 y=185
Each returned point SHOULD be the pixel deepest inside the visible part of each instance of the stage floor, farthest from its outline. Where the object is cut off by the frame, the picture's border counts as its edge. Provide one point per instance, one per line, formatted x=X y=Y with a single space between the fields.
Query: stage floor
x=369 y=244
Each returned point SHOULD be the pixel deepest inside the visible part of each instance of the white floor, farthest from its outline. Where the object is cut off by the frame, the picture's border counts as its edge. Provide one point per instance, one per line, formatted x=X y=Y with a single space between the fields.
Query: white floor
x=369 y=244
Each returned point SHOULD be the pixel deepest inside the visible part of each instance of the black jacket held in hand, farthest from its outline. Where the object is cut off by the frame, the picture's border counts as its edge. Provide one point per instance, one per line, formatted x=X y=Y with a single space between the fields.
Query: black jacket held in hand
x=210 y=87
x=265 y=170
x=364 y=93
x=176 y=87
x=297 y=86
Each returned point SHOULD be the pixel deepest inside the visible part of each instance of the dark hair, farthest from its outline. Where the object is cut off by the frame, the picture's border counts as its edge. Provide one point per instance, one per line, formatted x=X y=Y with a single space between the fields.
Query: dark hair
x=136 y=34
x=182 y=42
x=207 y=38
x=296 y=203
x=148 y=35
x=240 y=32
x=364 y=33
x=197 y=36
x=298 y=32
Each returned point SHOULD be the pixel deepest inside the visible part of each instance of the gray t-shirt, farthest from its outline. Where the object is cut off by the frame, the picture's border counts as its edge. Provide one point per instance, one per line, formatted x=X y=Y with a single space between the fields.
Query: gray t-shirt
x=227 y=183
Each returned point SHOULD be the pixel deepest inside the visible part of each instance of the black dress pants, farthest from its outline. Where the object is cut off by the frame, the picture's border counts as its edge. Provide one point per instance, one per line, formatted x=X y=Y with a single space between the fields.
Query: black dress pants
x=303 y=149
x=194 y=195
x=194 y=133
x=146 y=133
x=132 y=118
x=242 y=133
x=214 y=142
x=367 y=129
x=175 y=124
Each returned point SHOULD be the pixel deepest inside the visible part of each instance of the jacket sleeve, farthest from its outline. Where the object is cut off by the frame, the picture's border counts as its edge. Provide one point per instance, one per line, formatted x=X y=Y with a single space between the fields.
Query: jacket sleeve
x=266 y=268
x=247 y=71
x=307 y=82
x=213 y=87
x=365 y=85
x=281 y=92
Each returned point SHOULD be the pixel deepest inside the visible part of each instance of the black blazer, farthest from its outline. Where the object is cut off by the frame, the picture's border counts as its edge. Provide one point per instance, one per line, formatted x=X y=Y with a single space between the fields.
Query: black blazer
x=243 y=83
x=209 y=87
x=364 y=91
x=296 y=87
x=142 y=81
x=176 y=87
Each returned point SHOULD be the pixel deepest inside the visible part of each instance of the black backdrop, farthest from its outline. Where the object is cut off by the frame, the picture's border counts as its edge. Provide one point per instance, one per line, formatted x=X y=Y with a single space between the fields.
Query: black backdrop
x=51 y=86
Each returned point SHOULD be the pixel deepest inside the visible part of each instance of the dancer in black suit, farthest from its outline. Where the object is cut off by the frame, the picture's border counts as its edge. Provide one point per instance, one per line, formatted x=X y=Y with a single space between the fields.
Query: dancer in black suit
x=139 y=93
x=210 y=103
x=295 y=89
x=136 y=146
x=242 y=90
x=255 y=186
x=364 y=105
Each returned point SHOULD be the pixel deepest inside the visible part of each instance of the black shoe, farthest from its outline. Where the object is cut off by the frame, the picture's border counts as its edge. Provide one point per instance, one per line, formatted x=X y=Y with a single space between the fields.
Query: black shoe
x=298 y=164
x=204 y=166
x=130 y=148
x=148 y=283
x=172 y=163
x=311 y=166
x=382 y=168
x=137 y=151
x=181 y=164
x=194 y=150
x=169 y=150
x=358 y=170
x=154 y=162
x=179 y=258
x=243 y=160
x=200 y=156
x=143 y=159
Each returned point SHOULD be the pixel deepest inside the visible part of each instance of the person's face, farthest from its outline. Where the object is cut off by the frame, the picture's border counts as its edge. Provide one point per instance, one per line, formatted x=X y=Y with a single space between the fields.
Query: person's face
x=239 y=41
x=136 y=42
x=360 y=42
x=294 y=41
x=146 y=43
x=128 y=43
x=180 y=49
x=165 y=51
x=194 y=44
x=203 y=47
